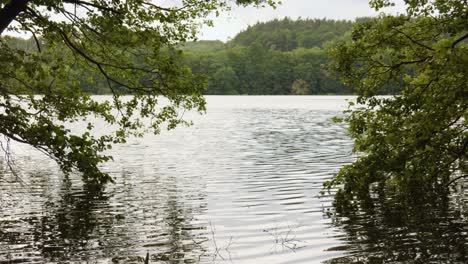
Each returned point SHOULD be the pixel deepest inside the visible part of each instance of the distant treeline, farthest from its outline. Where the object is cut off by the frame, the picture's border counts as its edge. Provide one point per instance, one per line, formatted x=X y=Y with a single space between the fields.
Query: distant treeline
x=277 y=57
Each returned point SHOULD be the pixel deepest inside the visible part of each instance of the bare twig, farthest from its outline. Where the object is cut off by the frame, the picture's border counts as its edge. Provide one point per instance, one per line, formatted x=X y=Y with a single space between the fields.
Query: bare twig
x=6 y=148
x=217 y=252
x=285 y=239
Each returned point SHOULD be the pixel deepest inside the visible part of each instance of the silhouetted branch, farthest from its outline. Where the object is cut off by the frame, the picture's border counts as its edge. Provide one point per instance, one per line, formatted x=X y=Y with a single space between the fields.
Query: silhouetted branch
x=100 y=7
x=414 y=41
x=459 y=40
x=456 y=179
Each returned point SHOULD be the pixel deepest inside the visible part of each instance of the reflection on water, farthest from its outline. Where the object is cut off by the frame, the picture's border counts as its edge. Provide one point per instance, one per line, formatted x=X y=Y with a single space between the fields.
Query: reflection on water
x=81 y=226
x=424 y=227
x=240 y=186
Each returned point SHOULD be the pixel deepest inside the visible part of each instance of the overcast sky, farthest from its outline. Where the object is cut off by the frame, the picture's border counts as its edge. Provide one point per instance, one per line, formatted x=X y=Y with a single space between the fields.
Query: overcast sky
x=228 y=24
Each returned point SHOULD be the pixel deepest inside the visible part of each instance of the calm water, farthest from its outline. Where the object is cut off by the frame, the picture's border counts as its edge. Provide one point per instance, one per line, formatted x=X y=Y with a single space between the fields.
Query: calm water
x=240 y=186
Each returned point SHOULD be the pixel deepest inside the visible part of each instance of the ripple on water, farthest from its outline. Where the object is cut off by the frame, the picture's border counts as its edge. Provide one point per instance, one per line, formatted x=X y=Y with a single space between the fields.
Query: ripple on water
x=240 y=186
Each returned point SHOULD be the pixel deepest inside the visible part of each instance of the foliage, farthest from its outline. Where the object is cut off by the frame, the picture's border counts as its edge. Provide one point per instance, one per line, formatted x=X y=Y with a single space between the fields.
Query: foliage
x=201 y=46
x=256 y=61
x=288 y=34
x=128 y=46
x=299 y=87
x=417 y=227
x=254 y=68
x=417 y=139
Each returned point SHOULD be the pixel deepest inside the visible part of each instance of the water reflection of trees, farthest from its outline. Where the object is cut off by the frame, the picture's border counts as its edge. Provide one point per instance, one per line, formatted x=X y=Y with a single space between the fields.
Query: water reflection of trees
x=81 y=224
x=61 y=230
x=182 y=244
x=424 y=226
x=73 y=223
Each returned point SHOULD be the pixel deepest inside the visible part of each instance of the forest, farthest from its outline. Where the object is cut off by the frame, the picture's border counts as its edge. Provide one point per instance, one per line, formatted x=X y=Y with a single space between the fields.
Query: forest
x=278 y=57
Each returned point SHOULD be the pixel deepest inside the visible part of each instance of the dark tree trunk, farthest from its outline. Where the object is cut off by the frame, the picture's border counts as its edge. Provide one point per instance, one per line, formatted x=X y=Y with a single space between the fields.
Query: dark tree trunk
x=10 y=11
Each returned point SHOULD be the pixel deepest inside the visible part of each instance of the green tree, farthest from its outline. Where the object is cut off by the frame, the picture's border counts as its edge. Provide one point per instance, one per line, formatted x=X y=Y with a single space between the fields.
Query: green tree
x=224 y=81
x=268 y=57
x=417 y=139
x=288 y=34
x=299 y=87
x=130 y=46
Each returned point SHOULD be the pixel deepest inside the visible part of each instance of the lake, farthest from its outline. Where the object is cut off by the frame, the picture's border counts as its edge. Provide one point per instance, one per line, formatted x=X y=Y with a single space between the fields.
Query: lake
x=242 y=185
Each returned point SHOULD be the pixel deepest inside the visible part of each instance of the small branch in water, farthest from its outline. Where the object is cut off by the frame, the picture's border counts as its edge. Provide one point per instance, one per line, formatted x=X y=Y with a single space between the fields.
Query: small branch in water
x=284 y=238
x=217 y=249
x=199 y=245
x=9 y=160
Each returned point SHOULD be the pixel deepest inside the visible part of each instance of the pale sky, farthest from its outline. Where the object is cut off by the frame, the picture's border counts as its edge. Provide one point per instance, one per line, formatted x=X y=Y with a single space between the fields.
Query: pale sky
x=228 y=24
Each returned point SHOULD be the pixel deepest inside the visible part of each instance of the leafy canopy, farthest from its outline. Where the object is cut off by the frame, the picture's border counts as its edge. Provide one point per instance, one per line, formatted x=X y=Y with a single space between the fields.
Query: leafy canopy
x=268 y=57
x=127 y=45
x=417 y=139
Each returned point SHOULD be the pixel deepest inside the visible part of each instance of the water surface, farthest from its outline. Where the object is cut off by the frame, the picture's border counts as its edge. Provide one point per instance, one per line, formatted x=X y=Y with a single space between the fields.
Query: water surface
x=240 y=186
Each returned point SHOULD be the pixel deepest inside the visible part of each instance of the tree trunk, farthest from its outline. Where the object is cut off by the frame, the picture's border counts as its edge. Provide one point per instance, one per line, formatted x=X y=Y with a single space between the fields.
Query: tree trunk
x=10 y=11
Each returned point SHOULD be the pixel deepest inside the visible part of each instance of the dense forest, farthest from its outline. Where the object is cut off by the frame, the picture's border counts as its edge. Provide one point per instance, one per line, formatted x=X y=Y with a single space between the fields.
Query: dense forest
x=287 y=34
x=278 y=57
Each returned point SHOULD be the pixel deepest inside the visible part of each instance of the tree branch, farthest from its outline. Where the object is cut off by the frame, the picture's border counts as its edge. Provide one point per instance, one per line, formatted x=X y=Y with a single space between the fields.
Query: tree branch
x=10 y=11
x=409 y=62
x=459 y=40
x=414 y=41
x=456 y=179
x=100 y=7
x=38 y=45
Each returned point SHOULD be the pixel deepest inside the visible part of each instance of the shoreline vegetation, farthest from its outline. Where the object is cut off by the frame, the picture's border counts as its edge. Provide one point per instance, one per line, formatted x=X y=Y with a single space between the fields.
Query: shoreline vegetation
x=278 y=57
